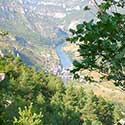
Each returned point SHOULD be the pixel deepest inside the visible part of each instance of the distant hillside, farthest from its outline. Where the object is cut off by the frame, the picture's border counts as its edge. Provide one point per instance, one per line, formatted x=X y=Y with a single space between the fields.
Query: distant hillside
x=30 y=54
x=37 y=25
x=38 y=20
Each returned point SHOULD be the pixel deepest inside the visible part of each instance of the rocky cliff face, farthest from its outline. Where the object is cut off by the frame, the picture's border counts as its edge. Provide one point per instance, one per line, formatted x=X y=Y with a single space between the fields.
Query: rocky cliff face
x=40 y=18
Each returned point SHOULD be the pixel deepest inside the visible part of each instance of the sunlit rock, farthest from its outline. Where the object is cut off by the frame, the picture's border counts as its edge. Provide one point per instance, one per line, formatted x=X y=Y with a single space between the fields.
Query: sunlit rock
x=1 y=54
x=121 y=122
x=2 y=76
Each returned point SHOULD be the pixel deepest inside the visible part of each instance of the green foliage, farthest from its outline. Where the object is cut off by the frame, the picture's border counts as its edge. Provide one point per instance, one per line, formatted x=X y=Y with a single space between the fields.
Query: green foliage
x=26 y=117
x=86 y=8
x=102 y=43
x=75 y=106
x=23 y=85
x=59 y=105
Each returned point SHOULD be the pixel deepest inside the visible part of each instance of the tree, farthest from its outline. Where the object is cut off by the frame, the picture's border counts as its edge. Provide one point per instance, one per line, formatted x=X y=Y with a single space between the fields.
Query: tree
x=75 y=106
x=102 y=42
x=26 y=117
x=59 y=105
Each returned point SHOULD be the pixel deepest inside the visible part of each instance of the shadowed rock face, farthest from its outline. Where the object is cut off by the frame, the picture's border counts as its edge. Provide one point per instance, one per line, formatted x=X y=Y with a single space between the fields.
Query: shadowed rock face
x=2 y=76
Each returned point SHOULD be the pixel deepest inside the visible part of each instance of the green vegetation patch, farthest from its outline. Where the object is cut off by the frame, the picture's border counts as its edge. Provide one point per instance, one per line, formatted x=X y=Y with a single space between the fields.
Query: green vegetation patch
x=37 y=98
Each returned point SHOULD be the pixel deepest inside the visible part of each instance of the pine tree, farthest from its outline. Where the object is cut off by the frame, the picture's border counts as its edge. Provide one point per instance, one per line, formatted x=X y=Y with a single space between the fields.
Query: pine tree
x=27 y=117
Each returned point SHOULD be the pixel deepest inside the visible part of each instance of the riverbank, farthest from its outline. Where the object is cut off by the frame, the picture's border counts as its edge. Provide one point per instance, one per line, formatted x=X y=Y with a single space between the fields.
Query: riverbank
x=64 y=58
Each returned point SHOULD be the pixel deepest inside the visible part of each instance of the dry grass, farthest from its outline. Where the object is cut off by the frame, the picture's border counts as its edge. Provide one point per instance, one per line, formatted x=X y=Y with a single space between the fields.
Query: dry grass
x=108 y=91
x=105 y=89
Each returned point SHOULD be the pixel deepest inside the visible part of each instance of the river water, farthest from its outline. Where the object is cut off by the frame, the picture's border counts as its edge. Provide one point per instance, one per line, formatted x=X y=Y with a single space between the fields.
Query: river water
x=65 y=60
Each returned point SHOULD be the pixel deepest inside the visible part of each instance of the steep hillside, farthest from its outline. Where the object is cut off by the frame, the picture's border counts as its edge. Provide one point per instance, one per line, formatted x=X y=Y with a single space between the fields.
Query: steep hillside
x=39 y=20
x=31 y=54
x=37 y=26
x=21 y=86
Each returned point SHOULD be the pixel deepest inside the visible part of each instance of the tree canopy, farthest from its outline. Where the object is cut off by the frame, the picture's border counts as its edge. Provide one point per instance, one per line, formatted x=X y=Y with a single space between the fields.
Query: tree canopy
x=37 y=98
x=102 y=42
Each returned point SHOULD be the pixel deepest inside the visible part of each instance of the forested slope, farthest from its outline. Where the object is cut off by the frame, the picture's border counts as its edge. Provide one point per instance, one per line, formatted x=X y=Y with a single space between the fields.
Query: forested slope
x=47 y=97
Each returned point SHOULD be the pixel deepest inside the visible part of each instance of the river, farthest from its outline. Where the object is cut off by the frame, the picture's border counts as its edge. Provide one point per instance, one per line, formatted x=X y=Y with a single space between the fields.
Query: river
x=65 y=60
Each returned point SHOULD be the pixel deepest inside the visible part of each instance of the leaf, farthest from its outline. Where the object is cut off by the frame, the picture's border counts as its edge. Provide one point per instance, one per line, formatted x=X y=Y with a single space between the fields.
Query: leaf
x=80 y=26
x=72 y=31
x=86 y=8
